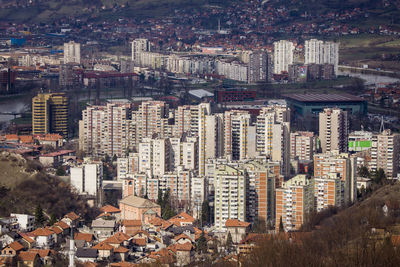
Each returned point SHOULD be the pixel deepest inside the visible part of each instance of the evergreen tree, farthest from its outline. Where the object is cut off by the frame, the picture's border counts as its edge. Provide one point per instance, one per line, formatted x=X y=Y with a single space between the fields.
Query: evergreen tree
x=201 y=244
x=39 y=216
x=114 y=158
x=205 y=212
x=159 y=197
x=53 y=219
x=281 y=228
x=229 y=241
x=60 y=171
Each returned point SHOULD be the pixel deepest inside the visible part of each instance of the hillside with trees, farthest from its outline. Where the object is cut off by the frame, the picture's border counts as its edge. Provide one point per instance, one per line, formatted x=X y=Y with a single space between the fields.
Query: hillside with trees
x=25 y=188
x=365 y=234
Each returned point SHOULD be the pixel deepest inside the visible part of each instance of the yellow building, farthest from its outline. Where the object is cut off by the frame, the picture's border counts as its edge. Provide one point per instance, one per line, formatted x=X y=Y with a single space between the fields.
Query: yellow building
x=50 y=113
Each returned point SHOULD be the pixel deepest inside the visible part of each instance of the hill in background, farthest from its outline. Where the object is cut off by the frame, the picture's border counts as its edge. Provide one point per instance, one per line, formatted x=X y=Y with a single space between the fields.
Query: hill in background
x=23 y=186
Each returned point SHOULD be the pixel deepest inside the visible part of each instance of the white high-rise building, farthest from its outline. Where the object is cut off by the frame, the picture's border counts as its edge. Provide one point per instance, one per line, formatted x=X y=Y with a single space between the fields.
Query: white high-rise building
x=320 y=52
x=138 y=46
x=107 y=129
x=72 y=52
x=283 y=56
x=236 y=128
x=333 y=130
x=272 y=135
x=385 y=153
x=154 y=156
x=87 y=178
x=230 y=195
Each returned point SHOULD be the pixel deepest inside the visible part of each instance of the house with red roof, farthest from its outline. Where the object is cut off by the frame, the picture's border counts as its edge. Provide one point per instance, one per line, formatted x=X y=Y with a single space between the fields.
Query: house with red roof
x=44 y=237
x=237 y=229
x=28 y=259
x=12 y=249
x=182 y=219
x=131 y=226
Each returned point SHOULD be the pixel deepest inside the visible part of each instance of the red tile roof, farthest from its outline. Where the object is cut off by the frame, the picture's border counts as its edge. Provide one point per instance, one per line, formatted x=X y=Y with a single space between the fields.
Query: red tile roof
x=103 y=246
x=181 y=217
x=72 y=216
x=42 y=232
x=43 y=252
x=109 y=209
x=139 y=242
x=236 y=223
x=83 y=236
x=183 y=247
x=179 y=237
x=130 y=223
x=27 y=256
x=121 y=249
x=62 y=224
x=16 y=246
x=56 y=229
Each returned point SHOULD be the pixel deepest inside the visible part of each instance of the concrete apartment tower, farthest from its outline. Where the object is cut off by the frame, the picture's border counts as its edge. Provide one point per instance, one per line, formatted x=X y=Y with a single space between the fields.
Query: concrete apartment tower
x=385 y=153
x=138 y=46
x=333 y=130
x=283 y=56
x=258 y=67
x=320 y=52
x=50 y=113
x=72 y=52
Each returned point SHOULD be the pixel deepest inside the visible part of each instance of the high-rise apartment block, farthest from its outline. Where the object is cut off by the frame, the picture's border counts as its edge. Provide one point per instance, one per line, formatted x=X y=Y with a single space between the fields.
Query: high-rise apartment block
x=236 y=134
x=258 y=67
x=333 y=130
x=108 y=129
x=329 y=192
x=230 y=195
x=72 y=52
x=344 y=166
x=150 y=119
x=87 y=178
x=320 y=52
x=50 y=113
x=294 y=200
x=303 y=145
x=385 y=153
x=272 y=135
x=283 y=56
x=138 y=46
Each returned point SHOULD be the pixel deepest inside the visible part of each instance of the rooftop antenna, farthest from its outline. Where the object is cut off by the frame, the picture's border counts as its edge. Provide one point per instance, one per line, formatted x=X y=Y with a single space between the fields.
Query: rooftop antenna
x=382 y=126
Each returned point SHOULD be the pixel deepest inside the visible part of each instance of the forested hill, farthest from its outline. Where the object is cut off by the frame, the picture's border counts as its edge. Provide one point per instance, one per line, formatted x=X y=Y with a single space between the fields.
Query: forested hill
x=54 y=10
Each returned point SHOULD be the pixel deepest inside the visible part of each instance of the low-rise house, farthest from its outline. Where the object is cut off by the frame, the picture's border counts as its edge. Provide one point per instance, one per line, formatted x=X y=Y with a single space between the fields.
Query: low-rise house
x=182 y=239
x=183 y=254
x=27 y=240
x=54 y=158
x=103 y=228
x=85 y=237
x=28 y=259
x=110 y=211
x=104 y=249
x=3 y=228
x=26 y=222
x=71 y=219
x=64 y=227
x=121 y=253
x=136 y=208
x=45 y=255
x=8 y=238
x=86 y=254
x=182 y=219
x=45 y=238
x=131 y=226
x=237 y=229
x=12 y=249
x=159 y=225
x=58 y=234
